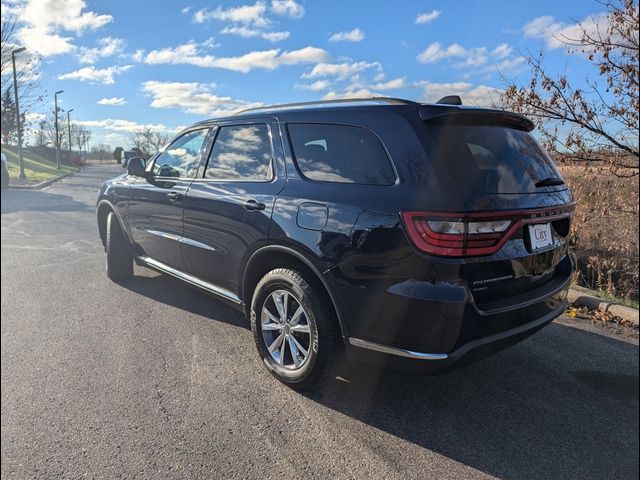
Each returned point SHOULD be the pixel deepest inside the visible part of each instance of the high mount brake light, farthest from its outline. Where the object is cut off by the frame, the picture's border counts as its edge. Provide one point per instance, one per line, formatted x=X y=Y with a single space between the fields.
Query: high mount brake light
x=477 y=233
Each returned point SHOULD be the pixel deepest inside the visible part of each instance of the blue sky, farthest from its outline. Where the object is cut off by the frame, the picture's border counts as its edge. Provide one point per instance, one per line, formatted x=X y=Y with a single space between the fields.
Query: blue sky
x=170 y=63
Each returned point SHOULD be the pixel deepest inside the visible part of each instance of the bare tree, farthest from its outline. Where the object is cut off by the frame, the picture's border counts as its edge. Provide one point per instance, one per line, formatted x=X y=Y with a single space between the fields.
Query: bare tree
x=148 y=141
x=598 y=123
x=41 y=134
x=27 y=66
x=49 y=128
x=592 y=132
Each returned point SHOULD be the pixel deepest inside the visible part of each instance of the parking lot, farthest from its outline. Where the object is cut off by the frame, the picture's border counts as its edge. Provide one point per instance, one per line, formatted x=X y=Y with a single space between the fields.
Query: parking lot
x=154 y=379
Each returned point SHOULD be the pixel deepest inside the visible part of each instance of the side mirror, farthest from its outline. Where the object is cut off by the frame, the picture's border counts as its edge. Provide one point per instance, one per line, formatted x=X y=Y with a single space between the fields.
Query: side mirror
x=136 y=166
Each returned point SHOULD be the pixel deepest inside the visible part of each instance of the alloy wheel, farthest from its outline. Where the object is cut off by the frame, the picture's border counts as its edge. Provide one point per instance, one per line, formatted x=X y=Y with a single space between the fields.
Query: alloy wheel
x=286 y=330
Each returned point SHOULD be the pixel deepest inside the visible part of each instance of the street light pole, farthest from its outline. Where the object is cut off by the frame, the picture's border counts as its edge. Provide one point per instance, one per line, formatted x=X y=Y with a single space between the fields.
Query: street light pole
x=55 y=101
x=18 y=123
x=69 y=127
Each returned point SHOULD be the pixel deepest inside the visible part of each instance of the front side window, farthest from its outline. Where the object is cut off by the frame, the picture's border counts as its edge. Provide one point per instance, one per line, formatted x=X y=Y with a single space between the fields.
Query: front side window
x=243 y=153
x=339 y=153
x=182 y=157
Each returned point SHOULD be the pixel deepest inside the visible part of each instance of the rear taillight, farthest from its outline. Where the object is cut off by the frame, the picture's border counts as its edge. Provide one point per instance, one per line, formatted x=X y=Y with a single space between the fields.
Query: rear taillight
x=471 y=234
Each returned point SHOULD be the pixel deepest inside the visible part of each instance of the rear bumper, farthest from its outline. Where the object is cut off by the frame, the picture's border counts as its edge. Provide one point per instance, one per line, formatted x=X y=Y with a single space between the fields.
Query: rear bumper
x=432 y=327
x=425 y=362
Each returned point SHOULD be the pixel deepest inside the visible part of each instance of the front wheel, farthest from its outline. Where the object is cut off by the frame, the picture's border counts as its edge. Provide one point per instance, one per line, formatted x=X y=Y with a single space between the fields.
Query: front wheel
x=295 y=329
x=119 y=258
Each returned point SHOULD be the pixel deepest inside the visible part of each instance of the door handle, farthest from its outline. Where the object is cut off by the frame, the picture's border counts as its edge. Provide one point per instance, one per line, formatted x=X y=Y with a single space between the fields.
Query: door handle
x=253 y=205
x=174 y=196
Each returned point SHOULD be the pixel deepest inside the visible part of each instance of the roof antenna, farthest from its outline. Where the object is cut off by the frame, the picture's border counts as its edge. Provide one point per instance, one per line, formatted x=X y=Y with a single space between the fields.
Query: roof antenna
x=450 y=100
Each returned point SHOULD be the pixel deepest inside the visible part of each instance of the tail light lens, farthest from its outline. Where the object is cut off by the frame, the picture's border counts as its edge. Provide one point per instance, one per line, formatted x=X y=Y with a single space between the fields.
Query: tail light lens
x=472 y=234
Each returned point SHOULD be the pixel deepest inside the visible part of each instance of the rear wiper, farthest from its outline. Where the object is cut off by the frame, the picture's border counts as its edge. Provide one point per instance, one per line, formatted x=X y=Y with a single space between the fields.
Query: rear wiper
x=550 y=182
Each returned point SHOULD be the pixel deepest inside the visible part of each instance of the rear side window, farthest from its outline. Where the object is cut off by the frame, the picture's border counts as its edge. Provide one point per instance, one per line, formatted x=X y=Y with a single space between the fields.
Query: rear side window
x=242 y=153
x=339 y=153
x=492 y=159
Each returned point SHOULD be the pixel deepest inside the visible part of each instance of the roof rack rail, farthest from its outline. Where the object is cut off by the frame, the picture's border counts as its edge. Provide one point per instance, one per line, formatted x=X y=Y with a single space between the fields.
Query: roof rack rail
x=388 y=100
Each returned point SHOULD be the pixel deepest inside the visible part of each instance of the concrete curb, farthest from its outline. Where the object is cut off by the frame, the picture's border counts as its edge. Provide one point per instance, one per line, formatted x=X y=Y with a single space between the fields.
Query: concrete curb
x=579 y=298
x=46 y=183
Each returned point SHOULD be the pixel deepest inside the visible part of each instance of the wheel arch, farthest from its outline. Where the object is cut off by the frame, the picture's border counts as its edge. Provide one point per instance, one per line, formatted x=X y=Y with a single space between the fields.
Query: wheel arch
x=269 y=257
x=103 y=209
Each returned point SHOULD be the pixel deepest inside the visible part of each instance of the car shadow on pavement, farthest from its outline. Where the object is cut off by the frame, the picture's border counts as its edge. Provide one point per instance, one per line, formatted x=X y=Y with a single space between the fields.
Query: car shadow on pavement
x=563 y=404
x=38 y=201
x=170 y=291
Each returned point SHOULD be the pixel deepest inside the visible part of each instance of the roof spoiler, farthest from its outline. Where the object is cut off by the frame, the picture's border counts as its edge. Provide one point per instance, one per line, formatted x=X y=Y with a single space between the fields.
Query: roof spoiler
x=450 y=100
x=472 y=116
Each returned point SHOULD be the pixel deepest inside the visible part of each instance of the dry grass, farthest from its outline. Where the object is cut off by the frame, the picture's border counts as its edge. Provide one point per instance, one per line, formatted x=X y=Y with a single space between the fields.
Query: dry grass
x=605 y=229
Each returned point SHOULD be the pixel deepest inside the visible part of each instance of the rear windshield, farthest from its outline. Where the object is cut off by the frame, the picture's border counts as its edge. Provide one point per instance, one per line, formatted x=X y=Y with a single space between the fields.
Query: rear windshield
x=493 y=159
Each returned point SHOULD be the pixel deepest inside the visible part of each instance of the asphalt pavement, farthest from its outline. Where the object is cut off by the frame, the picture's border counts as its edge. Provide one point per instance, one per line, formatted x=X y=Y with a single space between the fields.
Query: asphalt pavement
x=154 y=379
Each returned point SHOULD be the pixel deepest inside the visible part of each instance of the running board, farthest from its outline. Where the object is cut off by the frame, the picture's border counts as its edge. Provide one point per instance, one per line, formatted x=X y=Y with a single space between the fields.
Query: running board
x=209 y=287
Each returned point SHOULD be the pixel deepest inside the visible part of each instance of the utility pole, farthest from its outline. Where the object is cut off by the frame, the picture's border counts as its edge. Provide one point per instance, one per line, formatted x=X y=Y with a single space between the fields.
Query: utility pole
x=18 y=123
x=69 y=127
x=55 y=101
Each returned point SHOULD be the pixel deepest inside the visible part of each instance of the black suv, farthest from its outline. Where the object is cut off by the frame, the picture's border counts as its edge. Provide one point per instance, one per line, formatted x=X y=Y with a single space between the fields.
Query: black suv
x=424 y=234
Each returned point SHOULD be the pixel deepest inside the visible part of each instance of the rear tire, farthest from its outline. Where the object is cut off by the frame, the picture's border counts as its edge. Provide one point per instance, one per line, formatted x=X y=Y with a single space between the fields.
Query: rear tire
x=310 y=349
x=119 y=258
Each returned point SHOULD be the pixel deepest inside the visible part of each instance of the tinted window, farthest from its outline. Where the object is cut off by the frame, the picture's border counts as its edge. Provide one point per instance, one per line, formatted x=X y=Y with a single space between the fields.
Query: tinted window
x=337 y=153
x=488 y=159
x=241 y=152
x=182 y=157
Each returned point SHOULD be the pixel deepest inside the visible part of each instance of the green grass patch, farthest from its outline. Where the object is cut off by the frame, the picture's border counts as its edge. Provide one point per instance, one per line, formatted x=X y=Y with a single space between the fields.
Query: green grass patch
x=36 y=168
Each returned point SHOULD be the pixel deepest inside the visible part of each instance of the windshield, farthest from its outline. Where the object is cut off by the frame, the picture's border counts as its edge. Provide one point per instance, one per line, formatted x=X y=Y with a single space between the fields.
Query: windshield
x=493 y=159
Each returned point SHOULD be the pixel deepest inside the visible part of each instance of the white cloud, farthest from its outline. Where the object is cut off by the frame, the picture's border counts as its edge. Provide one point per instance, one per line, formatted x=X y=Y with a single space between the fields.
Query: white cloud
x=434 y=52
x=34 y=117
x=113 y=101
x=355 y=35
x=474 y=57
x=289 y=8
x=186 y=10
x=339 y=70
x=245 y=14
x=509 y=64
x=502 y=51
x=303 y=55
x=390 y=85
x=479 y=95
x=138 y=55
x=275 y=36
x=95 y=75
x=44 y=20
x=107 y=47
x=350 y=93
x=192 y=54
x=44 y=43
x=544 y=27
x=248 y=32
x=192 y=97
x=119 y=125
x=251 y=21
x=465 y=57
x=359 y=89
x=427 y=17
x=315 y=86
x=555 y=34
